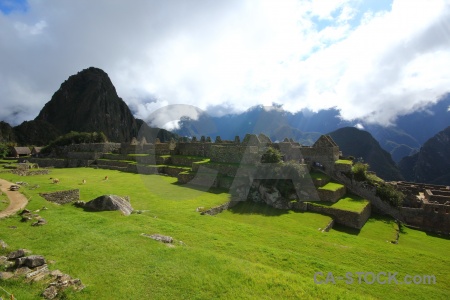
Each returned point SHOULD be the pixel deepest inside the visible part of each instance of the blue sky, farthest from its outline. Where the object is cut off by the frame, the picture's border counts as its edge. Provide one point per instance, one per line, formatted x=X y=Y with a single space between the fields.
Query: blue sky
x=8 y=6
x=373 y=60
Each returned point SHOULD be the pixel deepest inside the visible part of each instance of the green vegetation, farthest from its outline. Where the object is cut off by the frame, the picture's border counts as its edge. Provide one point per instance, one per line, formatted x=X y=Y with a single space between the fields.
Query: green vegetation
x=4 y=149
x=76 y=138
x=349 y=202
x=271 y=155
x=319 y=175
x=331 y=186
x=4 y=201
x=248 y=252
x=344 y=162
x=385 y=191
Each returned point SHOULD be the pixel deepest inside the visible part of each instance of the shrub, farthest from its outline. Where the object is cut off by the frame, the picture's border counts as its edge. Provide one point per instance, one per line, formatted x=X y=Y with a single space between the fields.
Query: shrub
x=360 y=171
x=390 y=194
x=272 y=155
x=74 y=137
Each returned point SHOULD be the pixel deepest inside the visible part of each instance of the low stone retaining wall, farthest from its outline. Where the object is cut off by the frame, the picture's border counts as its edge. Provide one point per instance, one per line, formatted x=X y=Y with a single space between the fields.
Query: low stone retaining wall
x=184 y=160
x=331 y=196
x=344 y=217
x=84 y=155
x=218 y=209
x=224 y=169
x=62 y=197
x=49 y=162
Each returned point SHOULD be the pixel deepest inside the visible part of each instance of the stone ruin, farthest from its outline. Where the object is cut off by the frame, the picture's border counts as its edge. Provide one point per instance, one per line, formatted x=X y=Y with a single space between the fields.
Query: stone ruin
x=34 y=268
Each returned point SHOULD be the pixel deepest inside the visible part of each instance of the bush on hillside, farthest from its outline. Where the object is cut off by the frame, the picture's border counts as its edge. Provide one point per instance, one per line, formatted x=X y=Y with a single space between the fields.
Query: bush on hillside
x=74 y=137
x=272 y=155
x=360 y=171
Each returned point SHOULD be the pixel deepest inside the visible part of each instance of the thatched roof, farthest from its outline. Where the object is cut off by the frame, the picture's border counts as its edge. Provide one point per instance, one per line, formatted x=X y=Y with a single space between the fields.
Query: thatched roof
x=22 y=150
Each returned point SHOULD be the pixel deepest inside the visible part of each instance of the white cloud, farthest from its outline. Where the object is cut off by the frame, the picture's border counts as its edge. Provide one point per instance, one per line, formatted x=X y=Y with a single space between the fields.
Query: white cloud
x=225 y=56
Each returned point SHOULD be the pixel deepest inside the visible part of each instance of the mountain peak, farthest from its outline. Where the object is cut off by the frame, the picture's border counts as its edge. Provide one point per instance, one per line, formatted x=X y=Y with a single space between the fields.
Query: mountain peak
x=88 y=101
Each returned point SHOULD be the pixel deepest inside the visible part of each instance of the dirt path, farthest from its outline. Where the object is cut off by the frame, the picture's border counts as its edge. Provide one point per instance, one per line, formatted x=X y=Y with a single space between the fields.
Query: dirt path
x=17 y=201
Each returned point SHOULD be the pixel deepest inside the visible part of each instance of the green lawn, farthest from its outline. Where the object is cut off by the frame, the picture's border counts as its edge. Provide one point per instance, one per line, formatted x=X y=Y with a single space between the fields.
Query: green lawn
x=344 y=162
x=318 y=175
x=348 y=202
x=4 y=201
x=248 y=252
x=331 y=186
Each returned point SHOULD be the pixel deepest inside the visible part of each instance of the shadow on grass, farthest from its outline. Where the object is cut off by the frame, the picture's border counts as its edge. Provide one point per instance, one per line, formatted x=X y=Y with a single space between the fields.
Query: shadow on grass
x=252 y=208
x=345 y=229
x=438 y=235
x=211 y=190
x=377 y=217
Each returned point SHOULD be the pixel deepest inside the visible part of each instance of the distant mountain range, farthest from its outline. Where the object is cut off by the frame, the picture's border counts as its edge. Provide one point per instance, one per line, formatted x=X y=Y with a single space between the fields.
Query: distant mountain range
x=403 y=139
x=432 y=163
x=361 y=144
x=85 y=102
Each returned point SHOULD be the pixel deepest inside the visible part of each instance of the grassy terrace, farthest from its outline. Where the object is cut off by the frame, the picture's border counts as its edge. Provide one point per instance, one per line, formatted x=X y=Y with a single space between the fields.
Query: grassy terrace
x=331 y=186
x=248 y=252
x=344 y=162
x=348 y=202
x=318 y=175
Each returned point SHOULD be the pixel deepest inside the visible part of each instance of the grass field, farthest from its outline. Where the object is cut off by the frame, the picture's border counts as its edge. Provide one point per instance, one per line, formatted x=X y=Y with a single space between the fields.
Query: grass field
x=248 y=252
x=348 y=202
x=331 y=186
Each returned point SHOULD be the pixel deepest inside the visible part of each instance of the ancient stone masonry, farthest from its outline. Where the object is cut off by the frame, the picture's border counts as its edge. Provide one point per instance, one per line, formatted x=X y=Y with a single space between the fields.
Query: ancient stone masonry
x=348 y=218
x=426 y=206
x=62 y=197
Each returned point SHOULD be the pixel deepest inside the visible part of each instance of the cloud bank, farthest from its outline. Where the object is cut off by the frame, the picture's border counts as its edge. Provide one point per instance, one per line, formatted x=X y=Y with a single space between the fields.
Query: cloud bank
x=371 y=62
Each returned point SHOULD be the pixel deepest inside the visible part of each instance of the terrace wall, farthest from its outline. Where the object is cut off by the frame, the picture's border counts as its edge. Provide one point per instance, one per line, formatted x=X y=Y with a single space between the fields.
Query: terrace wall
x=234 y=154
x=202 y=149
x=331 y=196
x=347 y=218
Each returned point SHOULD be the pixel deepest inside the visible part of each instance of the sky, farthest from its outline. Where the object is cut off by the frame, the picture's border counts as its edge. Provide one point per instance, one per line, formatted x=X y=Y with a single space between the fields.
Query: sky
x=373 y=60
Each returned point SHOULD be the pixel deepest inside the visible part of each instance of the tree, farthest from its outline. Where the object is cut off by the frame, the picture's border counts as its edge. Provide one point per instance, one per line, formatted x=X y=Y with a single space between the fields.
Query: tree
x=272 y=155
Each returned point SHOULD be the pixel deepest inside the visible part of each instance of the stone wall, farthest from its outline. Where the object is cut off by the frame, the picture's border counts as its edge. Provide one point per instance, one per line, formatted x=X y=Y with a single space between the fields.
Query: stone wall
x=432 y=217
x=331 y=196
x=235 y=154
x=347 y=218
x=76 y=163
x=162 y=149
x=325 y=156
x=84 y=155
x=412 y=216
x=137 y=149
x=224 y=169
x=437 y=196
x=186 y=161
x=436 y=217
x=218 y=209
x=49 y=162
x=368 y=193
x=142 y=159
x=62 y=197
x=193 y=149
x=94 y=147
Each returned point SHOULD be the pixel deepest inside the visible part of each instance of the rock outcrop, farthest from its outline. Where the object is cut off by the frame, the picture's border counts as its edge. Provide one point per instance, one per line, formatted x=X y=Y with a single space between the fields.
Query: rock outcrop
x=109 y=202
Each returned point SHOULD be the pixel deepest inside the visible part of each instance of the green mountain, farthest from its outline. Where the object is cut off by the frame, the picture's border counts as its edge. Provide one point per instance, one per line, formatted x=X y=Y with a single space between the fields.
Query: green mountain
x=361 y=144
x=432 y=163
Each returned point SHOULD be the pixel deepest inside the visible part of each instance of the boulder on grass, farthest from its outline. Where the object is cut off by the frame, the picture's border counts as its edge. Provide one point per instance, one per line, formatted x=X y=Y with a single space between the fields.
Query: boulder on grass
x=109 y=202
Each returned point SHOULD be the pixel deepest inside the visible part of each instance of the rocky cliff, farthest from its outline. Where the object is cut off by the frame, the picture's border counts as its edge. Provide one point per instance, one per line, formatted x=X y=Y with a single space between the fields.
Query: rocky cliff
x=88 y=102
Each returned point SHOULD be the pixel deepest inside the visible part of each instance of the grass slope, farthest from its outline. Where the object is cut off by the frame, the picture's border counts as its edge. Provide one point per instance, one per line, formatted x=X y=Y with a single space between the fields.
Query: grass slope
x=248 y=252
